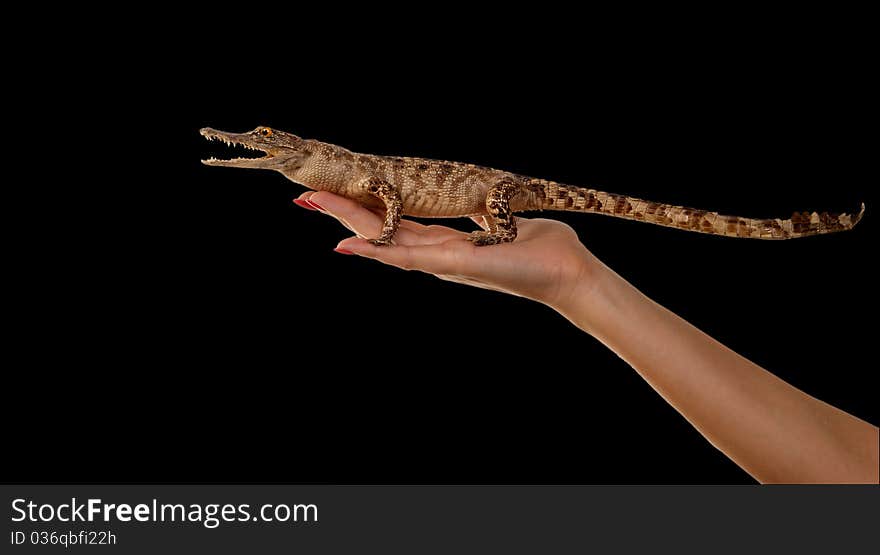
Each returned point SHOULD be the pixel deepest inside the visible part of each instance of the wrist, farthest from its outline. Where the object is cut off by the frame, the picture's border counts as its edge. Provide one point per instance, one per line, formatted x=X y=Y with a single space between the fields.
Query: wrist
x=590 y=299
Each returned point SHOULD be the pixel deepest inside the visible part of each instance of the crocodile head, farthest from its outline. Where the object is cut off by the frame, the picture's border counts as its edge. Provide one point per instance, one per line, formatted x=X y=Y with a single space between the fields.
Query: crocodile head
x=280 y=151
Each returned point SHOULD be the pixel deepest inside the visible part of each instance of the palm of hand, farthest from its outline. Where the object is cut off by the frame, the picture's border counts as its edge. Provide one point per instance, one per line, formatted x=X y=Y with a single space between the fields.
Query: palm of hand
x=542 y=264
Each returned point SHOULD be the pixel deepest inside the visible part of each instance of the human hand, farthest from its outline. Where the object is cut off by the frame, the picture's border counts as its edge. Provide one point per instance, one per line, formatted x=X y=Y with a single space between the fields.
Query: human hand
x=546 y=263
x=734 y=403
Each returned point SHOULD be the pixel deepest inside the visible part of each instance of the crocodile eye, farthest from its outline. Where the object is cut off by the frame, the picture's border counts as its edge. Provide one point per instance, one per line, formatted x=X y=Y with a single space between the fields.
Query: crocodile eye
x=266 y=132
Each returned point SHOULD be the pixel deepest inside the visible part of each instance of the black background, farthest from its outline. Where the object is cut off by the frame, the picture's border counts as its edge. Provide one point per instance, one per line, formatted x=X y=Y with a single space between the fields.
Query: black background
x=179 y=323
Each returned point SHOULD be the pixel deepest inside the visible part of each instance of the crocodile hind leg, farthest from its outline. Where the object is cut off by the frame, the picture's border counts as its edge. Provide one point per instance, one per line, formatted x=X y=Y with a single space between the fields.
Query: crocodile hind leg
x=500 y=214
x=393 y=208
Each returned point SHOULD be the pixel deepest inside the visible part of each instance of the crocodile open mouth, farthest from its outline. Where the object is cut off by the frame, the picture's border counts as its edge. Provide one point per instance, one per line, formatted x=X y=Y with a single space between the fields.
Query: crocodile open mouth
x=242 y=149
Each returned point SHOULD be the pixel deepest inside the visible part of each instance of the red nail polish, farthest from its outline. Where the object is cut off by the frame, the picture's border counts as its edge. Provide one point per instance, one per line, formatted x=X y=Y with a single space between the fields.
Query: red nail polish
x=303 y=204
x=342 y=251
x=316 y=206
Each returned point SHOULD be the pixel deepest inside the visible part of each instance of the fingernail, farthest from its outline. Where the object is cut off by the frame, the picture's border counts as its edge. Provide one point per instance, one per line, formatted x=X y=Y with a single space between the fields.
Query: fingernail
x=316 y=206
x=342 y=251
x=303 y=204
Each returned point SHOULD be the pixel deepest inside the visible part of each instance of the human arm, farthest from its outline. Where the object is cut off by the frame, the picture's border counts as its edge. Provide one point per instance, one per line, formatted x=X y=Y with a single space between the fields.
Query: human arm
x=771 y=429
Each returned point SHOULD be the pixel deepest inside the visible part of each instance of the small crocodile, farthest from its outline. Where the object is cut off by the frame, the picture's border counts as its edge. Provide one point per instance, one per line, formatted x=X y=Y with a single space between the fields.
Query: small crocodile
x=428 y=188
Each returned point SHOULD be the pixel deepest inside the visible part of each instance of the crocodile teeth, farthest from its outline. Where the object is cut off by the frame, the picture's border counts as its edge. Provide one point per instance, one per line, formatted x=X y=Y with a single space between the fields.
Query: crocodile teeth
x=234 y=142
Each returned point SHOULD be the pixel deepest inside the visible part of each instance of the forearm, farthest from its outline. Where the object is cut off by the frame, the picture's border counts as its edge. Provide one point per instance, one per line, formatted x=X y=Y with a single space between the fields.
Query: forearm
x=774 y=431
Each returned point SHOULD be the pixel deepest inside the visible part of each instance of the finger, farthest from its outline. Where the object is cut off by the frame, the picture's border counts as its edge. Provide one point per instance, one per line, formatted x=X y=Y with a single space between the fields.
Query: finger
x=415 y=227
x=433 y=259
x=352 y=215
x=480 y=221
x=367 y=223
x=404 y=224
x=304 y=202
x=378 y=212
x=435 y=234
x=364 y=222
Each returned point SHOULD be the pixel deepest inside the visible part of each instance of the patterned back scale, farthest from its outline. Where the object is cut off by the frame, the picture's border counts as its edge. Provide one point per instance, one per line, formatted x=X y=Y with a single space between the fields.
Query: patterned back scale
x=557 y=196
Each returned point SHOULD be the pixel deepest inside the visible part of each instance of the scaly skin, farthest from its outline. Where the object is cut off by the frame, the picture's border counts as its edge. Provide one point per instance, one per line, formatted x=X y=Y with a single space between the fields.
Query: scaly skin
x=436 y=189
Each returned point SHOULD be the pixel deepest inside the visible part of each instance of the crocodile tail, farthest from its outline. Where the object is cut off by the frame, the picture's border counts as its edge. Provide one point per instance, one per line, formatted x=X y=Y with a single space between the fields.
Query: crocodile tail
x=801 y=224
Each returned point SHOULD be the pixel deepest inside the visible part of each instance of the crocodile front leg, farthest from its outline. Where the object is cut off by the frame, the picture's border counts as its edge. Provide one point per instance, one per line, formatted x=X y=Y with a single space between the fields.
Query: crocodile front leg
x=393 y=207
x=498 y=206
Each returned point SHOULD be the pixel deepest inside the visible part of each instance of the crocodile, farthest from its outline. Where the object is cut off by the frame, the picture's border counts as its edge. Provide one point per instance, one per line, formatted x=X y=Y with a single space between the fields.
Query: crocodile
x=421 y=187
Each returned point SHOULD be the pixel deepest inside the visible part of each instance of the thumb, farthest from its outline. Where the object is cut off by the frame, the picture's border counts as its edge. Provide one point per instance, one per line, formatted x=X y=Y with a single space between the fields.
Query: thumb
x=433 y=259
